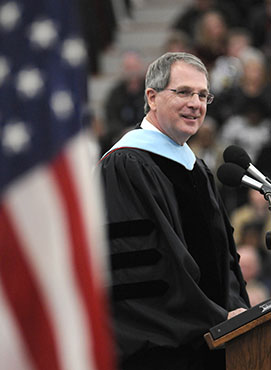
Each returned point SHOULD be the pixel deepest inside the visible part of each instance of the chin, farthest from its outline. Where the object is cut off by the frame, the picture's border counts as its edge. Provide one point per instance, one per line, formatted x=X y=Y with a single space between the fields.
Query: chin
x=191 y=132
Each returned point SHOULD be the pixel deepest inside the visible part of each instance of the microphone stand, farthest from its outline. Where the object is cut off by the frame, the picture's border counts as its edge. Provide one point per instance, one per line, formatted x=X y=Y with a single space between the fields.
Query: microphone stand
x=268 y=240
x=268 y=234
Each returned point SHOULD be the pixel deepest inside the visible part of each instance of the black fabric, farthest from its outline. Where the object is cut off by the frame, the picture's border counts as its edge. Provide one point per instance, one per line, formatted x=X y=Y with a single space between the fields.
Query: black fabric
x=139 y=290
x=198 y=263
x=135 y=258
x=169 y=359
x=130 y=228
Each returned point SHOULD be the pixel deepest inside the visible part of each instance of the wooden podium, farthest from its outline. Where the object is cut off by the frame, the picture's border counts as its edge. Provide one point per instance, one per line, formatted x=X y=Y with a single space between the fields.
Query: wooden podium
x=246 y=339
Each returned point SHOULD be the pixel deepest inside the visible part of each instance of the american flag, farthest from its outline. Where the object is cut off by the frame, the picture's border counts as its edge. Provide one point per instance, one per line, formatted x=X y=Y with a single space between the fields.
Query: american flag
x=53 y=269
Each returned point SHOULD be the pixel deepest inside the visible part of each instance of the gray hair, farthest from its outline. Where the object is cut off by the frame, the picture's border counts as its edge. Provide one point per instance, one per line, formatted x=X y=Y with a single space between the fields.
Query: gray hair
x=158 y=73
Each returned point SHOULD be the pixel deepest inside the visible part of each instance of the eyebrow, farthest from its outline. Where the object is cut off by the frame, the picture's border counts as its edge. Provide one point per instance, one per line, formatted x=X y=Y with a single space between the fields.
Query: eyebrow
x=190 y=88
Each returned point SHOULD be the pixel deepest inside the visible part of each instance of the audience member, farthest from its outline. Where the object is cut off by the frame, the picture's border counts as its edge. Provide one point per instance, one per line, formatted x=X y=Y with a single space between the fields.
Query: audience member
x=254 y=211
x=258 y=286
x=99 y=26
x=124 y=102
x=243 y=9
x=250 y=262
x=210 y=37
x=249 y=129
x=263 y=162
x=227 y=69
x=253 y=84
x=178 y=41
x=257 y=292
x=205 y=145
x=187 y=20
x=252 y=234
x=259 y=23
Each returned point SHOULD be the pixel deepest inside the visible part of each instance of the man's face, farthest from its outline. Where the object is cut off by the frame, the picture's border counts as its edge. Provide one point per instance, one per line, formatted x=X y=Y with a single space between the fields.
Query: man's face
x=178 y=117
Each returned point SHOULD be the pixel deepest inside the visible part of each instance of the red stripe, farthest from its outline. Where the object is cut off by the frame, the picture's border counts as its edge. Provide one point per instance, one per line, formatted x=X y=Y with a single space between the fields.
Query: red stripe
x=114 y=150
x=24 y=298
x=93 y=295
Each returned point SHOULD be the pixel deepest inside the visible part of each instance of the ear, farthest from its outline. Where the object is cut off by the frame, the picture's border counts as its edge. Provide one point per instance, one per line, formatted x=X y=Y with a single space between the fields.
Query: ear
x=151 y=95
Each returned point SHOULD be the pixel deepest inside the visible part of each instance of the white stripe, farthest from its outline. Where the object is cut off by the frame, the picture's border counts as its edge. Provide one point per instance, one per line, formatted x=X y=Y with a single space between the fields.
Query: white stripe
x=83 y=156
x=13 y=354
x=40 y=222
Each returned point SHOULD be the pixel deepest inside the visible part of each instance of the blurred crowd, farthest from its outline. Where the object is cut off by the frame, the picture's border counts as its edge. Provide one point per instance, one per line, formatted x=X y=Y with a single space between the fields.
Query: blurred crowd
x=233 y=39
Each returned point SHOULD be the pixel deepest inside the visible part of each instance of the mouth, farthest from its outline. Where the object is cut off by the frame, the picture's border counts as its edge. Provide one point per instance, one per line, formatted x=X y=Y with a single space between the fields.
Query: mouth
x=189 y=116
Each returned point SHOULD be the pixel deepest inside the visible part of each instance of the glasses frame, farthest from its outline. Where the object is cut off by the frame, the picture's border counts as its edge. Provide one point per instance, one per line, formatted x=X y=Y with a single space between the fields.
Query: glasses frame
x=209 y=98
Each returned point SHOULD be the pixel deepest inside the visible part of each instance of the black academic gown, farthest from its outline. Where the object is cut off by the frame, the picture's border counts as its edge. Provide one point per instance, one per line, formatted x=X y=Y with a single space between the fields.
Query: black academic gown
x=175 y=268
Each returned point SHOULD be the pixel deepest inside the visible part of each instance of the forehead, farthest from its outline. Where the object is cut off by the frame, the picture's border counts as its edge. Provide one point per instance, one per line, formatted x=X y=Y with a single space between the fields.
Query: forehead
x=183 y=74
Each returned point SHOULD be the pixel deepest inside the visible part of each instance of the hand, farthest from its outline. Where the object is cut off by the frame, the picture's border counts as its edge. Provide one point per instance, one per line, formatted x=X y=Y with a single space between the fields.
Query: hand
x=235 y=312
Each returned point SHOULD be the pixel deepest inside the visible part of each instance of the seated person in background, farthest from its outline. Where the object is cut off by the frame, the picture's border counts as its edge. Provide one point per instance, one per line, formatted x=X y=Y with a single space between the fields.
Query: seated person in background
x=252 y=234
x=254 y=84
x=250 y=129
x=174 y=263
x=211 y=33
x=257 y=292
x=186 y=20
x=178 y=41
x=124 y=102
x=227 y=69
x=263 y=161
x=254 y=211
x=206 y=146
x=252 y=270
x=259 y=25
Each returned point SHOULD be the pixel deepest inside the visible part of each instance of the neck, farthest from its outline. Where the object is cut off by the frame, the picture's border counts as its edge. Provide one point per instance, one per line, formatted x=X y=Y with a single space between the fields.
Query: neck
x=151 y=117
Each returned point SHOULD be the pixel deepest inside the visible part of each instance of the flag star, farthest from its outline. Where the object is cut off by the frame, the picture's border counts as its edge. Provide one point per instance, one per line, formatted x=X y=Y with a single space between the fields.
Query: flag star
x=43 y=33
x=10 y=15
x=15 y=137
x=29 y=82
x=73 y=51
x=62 y=104
x=4 y=69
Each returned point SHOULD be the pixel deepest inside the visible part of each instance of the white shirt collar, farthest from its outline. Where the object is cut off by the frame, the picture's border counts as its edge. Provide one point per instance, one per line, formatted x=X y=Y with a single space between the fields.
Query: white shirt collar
x=146 y=125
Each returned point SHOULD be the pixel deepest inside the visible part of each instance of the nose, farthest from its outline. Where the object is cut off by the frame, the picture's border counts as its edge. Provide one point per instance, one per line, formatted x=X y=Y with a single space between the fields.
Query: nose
x=194 y=100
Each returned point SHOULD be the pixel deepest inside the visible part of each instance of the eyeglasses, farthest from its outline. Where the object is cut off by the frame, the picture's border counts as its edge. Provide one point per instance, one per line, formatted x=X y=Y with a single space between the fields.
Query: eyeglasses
x=204 y=97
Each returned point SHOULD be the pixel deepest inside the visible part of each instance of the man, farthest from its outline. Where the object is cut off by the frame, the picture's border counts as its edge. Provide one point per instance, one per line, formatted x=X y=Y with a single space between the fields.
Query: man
x=174 y=263
x=124 y=104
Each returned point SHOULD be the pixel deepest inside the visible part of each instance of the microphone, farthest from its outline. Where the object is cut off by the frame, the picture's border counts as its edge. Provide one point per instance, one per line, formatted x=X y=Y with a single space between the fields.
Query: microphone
x=238 y=155
x=233 y=175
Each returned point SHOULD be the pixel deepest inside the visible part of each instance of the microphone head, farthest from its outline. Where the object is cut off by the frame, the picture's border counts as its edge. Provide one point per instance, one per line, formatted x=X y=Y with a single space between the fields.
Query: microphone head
x=230 y=174
x=237 y=155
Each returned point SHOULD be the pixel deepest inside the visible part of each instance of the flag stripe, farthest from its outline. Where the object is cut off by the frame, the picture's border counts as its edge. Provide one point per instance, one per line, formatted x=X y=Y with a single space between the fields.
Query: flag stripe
x=13 y=269
x=12 y=348
x=93 y=293
x=85 y=175
x=45 y=232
